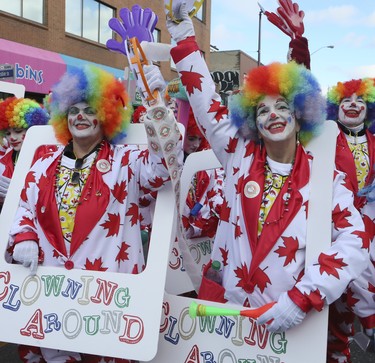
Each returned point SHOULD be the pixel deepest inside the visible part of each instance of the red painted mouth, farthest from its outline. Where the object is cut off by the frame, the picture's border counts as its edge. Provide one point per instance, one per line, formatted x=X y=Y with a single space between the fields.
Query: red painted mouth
x=276 y=127
x=352 y=113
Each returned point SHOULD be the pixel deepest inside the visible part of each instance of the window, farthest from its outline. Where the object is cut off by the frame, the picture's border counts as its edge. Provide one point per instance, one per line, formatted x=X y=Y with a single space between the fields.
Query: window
x=157 y=35
x=28 y=9
x=88 y=19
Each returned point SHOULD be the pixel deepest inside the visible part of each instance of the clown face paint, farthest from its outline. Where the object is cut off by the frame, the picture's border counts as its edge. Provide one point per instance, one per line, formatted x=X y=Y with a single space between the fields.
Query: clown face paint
x=352 y=111
x=274 y=120
x=15 y=137
x=83 y=121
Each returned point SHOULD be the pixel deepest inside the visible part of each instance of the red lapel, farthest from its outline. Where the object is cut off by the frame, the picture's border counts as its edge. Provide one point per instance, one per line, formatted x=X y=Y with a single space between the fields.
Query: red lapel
x=46 y=210
x=250 y=206
x=345 y=161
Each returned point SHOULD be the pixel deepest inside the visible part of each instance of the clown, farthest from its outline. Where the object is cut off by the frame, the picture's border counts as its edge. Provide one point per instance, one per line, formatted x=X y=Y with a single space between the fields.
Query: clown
x=16 y=116
x=352 y=105
x=76 y=190
x=260 y=142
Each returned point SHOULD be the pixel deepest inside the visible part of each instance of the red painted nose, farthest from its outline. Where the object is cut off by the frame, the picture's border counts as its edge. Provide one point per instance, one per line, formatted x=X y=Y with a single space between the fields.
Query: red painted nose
x=273 y=115
x=79 y=117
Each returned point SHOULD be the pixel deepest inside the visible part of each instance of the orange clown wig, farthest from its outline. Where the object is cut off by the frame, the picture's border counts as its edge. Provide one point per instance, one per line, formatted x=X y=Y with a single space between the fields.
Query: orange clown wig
x=293 y=82
x=98 y=88
x=21 y=113
x=364 y=88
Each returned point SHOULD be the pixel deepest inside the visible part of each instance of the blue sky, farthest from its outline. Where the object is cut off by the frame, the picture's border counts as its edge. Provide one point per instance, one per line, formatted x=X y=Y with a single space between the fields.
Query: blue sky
x=348 y=25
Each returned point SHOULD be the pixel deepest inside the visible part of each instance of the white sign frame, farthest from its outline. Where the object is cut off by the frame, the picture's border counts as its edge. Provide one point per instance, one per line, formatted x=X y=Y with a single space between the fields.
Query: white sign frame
x=237 y=339
x=131 y=331
x=15 y=89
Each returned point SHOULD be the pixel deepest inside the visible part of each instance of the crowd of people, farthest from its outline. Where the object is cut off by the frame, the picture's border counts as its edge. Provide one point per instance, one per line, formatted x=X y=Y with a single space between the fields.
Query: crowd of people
x=255 y=207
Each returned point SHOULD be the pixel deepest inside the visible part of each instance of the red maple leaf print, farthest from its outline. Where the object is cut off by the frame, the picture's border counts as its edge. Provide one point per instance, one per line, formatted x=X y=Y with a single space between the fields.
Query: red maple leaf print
x=232 y=144
x=371 y=287
x=96 y=265
x=157 y=182
x=125 y=158
x=225 y=211
x=130 y=173
x=191 y=80
x=122 y=254
x=237 y=229
x=30 y=178
x=211 y=194
x=224 y=256
x=329 y=264
x=289 y=250
x=119 y=191
x=112 y=224
x=369 y=226
x=350 y=299
x=261 y=279
x=25 y=221
x=363 y=235
x=55 y=253
x=316 y=299
x=340 y=217
x=235 y=170
x=242 y=273
x=133 y=211
x=185 y=222
x=219 y=109
x=144 y=155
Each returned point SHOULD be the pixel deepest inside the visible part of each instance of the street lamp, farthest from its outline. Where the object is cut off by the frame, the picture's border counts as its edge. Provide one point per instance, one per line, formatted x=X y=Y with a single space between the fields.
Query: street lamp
x=259 y=30
x=325 y=46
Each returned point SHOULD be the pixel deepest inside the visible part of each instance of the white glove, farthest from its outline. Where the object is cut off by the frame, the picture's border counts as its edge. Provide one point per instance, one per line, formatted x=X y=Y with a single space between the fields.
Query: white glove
x=4 y=185
x=27 y=253
x=370 y=332
x=154 y=78
x=184 y=29
x=282 y=316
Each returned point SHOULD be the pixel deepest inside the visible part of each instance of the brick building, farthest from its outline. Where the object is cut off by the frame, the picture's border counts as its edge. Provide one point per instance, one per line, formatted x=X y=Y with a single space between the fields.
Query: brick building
x=40 y=39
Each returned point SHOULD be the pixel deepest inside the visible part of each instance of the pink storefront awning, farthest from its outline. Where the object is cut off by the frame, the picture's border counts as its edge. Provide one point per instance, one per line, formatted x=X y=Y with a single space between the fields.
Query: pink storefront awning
x=37 y=69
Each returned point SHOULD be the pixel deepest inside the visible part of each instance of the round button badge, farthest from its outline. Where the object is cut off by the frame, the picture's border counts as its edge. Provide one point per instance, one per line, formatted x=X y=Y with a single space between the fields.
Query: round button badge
x=251 y=189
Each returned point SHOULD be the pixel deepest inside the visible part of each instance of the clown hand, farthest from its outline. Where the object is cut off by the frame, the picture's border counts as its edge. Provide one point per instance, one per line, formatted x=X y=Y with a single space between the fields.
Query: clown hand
x=284 y=315
x=27 y=253
x=4 y=185
x=184 y=29
x=154 y=78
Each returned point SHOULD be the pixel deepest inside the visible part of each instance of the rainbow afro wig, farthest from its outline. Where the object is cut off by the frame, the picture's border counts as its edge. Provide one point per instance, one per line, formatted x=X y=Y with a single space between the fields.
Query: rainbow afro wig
x=293 y=82
x=21 y=113
x=364 y=88
x=98 y=88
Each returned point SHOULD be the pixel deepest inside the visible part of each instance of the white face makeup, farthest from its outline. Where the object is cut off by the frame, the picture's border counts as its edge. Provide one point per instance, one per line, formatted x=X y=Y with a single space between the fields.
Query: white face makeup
x=15 y=137
x=274 y=119
x=352 y=111
x=83 y=121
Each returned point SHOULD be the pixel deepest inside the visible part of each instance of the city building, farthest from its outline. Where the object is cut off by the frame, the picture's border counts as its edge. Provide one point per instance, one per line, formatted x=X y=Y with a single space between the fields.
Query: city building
x=41 y=39
x=228 y=69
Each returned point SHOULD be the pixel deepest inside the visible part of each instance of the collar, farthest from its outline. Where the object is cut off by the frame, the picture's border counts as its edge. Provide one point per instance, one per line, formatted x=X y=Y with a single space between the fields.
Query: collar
x=350 y=132
x=68 y=151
